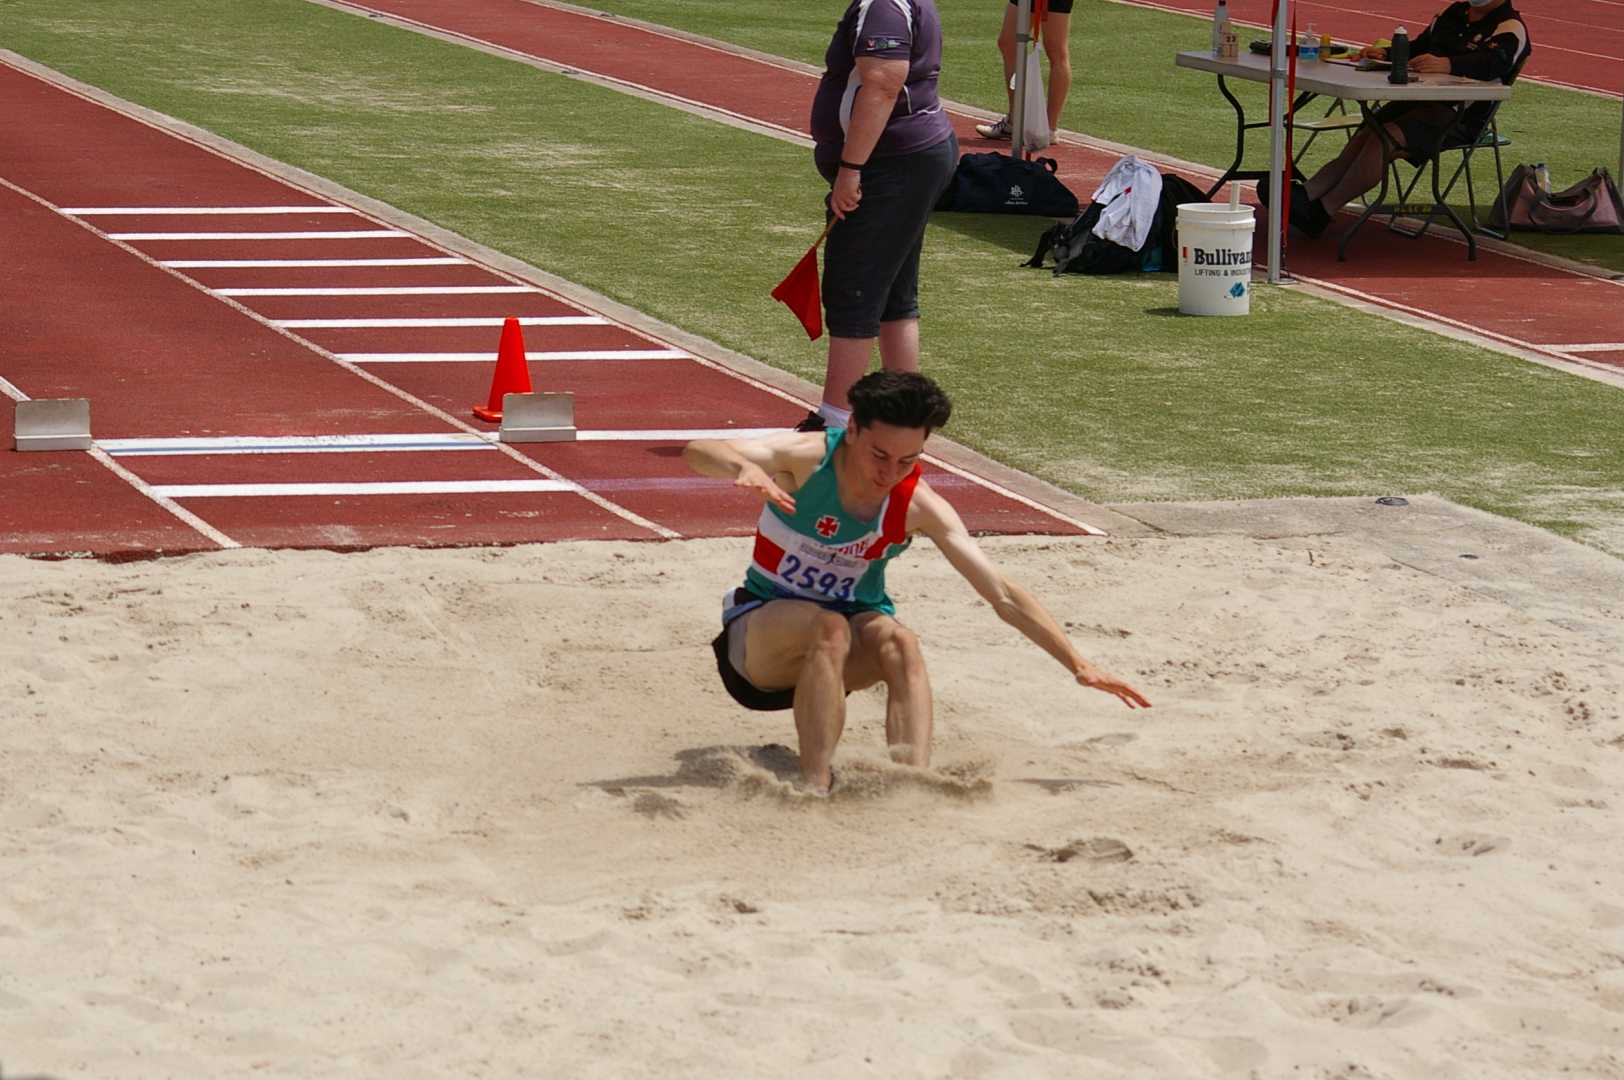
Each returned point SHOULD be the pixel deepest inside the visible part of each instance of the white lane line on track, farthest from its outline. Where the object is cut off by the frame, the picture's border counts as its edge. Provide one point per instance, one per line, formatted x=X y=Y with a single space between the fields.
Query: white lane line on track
x=409 y=442
x=490 y=357
x=336 y=234
x=120 y=108
x=297 y=444
x=11 y=390
x=187 y=211
x=164 y=501
x=476 y=320
x=385 y=290
x=1594 y=346
x=277 y=264
x=381 y=487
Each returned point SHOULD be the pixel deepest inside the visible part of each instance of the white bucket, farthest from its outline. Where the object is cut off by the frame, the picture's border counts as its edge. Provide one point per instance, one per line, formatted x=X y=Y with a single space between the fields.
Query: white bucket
x=1215 y=259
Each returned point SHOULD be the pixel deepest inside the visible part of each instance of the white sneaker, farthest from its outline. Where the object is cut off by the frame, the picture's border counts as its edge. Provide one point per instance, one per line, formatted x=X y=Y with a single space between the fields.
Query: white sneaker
x=998 y=129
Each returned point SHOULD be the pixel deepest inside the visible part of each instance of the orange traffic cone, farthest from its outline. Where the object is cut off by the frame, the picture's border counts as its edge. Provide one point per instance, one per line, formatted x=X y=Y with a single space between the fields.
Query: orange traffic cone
x=512 y=372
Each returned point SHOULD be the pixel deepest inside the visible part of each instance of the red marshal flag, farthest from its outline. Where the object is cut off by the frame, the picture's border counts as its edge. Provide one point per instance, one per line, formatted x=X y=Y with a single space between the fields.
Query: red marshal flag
x=799 y=290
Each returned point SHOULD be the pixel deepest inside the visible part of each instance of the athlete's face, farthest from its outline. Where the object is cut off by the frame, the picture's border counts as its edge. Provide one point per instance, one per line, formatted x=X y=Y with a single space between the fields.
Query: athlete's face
x=883 y=454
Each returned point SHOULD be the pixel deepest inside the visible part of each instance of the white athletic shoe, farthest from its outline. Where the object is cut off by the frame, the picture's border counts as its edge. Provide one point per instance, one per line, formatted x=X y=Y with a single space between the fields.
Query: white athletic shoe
x=998 y=129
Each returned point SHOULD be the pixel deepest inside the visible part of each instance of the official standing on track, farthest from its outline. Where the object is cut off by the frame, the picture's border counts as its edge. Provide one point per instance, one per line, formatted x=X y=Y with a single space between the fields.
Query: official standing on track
x=888 y=151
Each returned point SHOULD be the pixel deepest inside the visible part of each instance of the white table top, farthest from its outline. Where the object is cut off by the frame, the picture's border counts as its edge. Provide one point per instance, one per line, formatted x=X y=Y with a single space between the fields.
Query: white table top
x=1332 y=79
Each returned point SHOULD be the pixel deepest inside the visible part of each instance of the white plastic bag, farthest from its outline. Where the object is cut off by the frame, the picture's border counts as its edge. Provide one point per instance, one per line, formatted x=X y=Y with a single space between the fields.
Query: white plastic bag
x=1035 y=114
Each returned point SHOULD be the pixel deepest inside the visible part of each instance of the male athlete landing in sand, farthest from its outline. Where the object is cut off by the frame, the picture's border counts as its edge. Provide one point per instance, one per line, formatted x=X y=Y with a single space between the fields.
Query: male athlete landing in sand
x=813 y=622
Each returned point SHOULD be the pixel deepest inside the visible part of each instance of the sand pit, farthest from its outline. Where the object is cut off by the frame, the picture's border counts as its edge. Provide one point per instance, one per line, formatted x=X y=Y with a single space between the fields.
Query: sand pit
x=488 y=813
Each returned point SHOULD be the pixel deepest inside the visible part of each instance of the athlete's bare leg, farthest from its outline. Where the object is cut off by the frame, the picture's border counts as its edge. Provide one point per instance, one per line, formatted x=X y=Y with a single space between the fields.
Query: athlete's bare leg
x=825 y=656
x=797 y=643
x=886 y=651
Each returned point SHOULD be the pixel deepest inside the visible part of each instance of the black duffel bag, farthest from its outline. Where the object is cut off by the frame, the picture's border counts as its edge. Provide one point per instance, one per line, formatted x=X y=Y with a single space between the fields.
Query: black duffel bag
x=1000 y=184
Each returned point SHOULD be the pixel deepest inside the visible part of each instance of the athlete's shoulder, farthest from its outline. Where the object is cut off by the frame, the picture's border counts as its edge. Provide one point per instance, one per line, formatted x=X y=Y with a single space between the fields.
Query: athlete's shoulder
x=928 y=510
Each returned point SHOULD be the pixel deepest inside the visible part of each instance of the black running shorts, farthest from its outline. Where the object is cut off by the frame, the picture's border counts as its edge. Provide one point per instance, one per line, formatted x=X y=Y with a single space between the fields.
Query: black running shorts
x=1056 y=7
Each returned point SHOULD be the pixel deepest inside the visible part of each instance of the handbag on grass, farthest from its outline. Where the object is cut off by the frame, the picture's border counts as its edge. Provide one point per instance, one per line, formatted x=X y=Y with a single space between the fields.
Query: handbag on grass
x=1000 y=184
x=1591 y=205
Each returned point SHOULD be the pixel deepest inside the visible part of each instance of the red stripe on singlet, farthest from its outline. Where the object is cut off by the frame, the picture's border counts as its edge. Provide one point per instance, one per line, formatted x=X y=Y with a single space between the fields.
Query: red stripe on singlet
x=893 y=530
x=768 y=554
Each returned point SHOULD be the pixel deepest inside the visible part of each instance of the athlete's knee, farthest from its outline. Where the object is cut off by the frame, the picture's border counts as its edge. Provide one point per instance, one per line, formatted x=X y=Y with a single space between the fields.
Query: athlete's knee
x=831 y=634
x=898 y=651
x=1058 y=50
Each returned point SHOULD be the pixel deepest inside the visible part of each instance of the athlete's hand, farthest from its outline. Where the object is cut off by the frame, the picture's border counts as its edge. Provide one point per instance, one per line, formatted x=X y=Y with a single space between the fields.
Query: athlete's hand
x=753 y=477
x=848 y=192
x=1095 y=679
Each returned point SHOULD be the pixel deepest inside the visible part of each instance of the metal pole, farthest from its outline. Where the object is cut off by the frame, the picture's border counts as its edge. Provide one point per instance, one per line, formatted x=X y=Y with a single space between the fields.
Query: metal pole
x=1277 y=136
x=1017 y=105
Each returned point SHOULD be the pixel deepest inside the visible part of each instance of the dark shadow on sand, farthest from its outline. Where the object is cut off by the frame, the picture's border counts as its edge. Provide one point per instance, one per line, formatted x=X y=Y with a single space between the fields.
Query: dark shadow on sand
x=710 y=767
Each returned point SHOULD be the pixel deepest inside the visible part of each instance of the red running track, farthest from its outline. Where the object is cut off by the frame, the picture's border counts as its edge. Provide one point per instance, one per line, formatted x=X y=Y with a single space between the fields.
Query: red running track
x=1577 y=43
x=154 y=317
x=1505 y=298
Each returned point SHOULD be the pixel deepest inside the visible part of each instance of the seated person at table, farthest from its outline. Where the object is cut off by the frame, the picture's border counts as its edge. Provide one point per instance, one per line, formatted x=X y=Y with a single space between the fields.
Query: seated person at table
x=1478 y=39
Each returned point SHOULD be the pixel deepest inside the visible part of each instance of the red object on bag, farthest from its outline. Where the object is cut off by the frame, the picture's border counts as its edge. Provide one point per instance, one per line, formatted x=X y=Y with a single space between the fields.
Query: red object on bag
x=799 y=292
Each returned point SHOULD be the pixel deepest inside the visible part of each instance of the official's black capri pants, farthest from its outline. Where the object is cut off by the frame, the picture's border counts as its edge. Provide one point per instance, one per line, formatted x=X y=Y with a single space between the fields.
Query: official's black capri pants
x=871 y=261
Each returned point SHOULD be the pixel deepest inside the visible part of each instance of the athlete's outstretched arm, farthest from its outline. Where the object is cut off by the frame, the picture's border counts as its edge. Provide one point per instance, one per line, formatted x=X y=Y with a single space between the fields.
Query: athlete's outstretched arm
x=764 y=465
x=932 y=515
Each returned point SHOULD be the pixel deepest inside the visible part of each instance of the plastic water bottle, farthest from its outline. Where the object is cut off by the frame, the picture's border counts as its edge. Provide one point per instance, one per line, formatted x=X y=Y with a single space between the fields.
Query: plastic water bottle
x=1220 y=26
x=1399 y=54
x=1542 y=178
x=1308 y=46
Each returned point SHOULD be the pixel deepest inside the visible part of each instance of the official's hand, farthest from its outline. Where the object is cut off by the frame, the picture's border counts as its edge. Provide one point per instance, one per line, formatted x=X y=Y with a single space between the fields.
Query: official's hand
x=847 y=194
x=1427 y=62
x=754 y=478
x=1095 y=679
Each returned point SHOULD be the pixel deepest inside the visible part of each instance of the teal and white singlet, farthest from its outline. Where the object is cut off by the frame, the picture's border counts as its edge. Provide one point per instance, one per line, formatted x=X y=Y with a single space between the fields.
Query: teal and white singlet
x=823 y=554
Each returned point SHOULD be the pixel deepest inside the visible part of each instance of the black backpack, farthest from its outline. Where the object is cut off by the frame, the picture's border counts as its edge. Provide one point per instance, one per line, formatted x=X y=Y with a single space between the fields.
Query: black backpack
x=1077 y=250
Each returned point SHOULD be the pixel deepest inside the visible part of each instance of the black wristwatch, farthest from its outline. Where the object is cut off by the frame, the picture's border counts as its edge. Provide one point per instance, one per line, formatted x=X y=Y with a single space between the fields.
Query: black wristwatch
x=849 y=165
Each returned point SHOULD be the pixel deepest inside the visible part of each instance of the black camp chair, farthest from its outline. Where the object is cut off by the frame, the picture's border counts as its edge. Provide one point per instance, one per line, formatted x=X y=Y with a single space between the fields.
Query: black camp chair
x=1488 y=138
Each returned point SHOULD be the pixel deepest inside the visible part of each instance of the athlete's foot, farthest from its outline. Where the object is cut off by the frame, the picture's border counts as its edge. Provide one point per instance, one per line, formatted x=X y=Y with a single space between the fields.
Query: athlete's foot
x=814 y=788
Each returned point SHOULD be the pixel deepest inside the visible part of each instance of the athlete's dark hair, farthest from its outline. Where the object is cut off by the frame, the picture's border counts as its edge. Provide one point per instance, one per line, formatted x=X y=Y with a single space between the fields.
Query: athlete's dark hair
x=901 y=398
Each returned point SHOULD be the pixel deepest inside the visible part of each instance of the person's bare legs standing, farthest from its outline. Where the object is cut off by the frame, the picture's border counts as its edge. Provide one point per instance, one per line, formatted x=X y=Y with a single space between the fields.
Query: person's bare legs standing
x=1006 y=46
x=849 y=357
x=1057 y=45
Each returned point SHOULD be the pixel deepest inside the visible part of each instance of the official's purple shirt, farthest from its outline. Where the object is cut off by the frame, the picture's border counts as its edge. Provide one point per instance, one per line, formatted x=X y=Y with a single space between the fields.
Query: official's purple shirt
x=908 y=30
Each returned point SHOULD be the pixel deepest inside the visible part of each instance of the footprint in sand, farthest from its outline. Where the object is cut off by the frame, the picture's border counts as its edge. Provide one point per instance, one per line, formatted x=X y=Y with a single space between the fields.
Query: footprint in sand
x=1099 y=849
x=1471 y=844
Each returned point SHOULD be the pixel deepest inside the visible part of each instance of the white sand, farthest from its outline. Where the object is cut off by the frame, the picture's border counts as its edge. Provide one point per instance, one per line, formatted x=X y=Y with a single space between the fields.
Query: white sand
x=489 y=814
